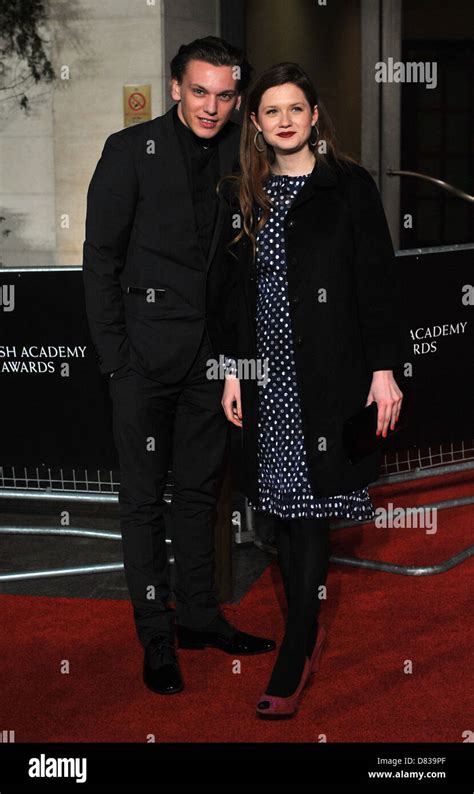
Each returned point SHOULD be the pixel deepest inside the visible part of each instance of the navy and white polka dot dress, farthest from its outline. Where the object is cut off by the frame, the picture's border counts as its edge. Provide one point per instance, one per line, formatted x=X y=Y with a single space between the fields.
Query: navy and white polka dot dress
x=284 y=487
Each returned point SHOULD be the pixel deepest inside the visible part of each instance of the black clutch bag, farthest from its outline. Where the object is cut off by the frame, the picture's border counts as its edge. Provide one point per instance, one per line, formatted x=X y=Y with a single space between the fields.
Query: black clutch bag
x=359 y=434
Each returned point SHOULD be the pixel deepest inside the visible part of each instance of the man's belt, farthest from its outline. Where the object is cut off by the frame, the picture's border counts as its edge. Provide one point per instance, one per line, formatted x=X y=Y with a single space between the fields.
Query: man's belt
x=159 y=293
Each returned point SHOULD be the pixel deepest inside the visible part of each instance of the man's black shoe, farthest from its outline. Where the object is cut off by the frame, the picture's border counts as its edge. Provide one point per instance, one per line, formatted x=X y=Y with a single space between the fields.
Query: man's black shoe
x=238 y=643
x=161 y=671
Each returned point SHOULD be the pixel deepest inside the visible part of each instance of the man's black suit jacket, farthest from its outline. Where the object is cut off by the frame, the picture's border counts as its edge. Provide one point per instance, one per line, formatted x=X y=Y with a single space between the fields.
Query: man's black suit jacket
x=141 y=233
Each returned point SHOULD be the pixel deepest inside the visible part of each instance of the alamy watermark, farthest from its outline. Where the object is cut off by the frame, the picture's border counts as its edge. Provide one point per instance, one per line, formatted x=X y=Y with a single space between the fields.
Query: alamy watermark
x=45 y=766
x=241 y=368
x=411 y=72
x=410 y=517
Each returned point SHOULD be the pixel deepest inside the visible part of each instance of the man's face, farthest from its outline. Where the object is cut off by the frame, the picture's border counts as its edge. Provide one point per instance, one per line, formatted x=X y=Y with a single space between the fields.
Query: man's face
x=207 y=95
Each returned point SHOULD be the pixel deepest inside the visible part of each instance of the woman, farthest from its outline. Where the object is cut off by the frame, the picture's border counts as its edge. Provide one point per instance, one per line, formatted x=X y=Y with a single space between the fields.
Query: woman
x=316 y=302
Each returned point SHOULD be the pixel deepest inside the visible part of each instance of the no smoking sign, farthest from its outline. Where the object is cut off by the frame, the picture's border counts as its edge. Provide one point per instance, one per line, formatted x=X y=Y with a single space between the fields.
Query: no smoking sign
x=136 y=104
x=136 y=101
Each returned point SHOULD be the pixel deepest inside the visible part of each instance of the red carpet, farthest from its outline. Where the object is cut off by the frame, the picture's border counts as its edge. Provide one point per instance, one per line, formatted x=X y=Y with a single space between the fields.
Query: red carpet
x=378 y=625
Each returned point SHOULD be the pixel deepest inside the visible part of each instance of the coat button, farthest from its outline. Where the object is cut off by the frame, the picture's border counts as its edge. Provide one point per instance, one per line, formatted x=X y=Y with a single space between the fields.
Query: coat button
x=295 y=299
x=291 y=223
x=299 y=340
x=293 y=261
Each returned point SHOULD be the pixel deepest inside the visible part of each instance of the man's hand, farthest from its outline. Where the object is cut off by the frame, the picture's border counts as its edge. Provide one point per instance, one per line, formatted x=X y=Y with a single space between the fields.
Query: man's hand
x=385 y=392
x=231 y=400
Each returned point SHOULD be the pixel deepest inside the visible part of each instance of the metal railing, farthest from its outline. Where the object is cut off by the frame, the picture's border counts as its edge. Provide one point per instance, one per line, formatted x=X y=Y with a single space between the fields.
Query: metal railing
x=74 y=485
x=455 y=191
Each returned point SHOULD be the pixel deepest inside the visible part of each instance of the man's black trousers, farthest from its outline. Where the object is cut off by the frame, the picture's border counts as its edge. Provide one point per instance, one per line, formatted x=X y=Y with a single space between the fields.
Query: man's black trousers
x=159 y=426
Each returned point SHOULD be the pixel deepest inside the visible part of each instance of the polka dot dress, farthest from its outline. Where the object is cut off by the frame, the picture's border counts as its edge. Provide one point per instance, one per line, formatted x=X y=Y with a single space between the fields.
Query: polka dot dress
x=284 y=488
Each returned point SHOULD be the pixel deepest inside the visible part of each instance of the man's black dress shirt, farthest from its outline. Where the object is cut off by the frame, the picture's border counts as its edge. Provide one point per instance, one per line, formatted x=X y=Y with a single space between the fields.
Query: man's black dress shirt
x=202 y=162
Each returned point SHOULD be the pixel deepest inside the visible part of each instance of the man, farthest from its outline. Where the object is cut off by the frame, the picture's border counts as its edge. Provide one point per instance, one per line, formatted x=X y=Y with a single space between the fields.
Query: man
x=155 y=280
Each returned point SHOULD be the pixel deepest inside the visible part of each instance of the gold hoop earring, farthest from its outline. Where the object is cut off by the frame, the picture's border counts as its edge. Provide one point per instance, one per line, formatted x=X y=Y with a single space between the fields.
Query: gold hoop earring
x=259 y=132
x=314 y=143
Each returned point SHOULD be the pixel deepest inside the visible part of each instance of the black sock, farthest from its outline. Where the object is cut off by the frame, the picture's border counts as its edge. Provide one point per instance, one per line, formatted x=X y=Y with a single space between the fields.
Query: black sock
x=304 y=560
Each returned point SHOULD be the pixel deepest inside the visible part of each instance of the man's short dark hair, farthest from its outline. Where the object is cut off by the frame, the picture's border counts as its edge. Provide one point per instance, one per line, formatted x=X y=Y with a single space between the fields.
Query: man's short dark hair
x=213 y=50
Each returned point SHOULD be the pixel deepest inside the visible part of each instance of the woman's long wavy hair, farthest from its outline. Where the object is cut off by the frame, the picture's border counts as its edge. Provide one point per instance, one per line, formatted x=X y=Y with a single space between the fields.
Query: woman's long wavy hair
x=256 y=165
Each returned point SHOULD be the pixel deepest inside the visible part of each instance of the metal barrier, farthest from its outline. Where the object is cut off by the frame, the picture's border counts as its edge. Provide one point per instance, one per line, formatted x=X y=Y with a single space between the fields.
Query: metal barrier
x=98 y=487
x=419 y=473
x=101 y=486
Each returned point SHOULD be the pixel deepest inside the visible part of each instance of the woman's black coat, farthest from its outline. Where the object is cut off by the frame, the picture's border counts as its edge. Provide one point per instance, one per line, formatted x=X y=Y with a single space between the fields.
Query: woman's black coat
x=345 y=302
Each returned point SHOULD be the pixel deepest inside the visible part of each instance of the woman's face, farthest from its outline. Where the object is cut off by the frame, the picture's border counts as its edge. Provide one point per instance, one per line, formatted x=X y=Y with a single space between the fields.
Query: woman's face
x=285 y=118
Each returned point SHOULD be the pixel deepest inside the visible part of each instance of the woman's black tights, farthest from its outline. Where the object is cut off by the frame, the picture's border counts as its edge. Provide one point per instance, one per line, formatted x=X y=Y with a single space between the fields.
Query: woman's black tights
x=303 y=546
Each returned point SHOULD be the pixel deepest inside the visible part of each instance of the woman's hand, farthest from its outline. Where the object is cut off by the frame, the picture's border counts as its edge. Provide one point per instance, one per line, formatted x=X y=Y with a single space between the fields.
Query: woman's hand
x=384 y=390
x=232 y=395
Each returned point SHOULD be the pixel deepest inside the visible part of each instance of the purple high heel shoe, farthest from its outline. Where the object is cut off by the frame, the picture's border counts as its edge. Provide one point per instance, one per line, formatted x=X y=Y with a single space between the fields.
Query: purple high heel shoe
x=274 y=707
